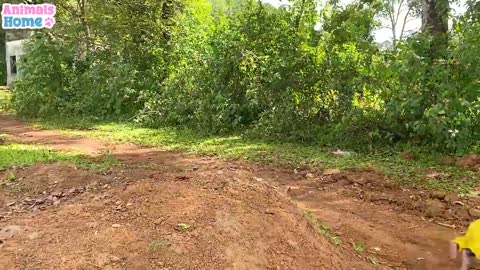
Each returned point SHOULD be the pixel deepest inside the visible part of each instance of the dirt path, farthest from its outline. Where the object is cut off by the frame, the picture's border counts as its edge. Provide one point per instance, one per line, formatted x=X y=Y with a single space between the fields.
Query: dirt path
x=235 y=215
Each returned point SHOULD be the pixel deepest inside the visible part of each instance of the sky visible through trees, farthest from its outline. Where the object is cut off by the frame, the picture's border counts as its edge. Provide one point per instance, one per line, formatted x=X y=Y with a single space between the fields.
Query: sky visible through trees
x=383 y=34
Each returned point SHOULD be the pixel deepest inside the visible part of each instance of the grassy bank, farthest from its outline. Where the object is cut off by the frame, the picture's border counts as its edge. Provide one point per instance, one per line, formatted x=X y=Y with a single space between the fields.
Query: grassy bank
x=406 y=172
x=4 y=100
x=388 y=161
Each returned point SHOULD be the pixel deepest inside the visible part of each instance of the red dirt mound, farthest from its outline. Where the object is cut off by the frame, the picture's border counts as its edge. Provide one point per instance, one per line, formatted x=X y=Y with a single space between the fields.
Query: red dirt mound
x=228 y=223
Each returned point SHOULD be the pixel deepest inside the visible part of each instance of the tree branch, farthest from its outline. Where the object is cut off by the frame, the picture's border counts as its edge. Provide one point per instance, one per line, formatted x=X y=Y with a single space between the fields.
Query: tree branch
x=404 y=23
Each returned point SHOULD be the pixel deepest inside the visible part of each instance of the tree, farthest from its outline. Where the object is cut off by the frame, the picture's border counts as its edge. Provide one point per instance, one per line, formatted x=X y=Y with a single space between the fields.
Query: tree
x=435 y=16
x=3 y=64
x=399 y=13
x=435 y=22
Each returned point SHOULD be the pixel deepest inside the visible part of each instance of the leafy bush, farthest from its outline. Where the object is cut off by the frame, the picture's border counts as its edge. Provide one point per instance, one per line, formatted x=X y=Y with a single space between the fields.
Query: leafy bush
x=249 y=67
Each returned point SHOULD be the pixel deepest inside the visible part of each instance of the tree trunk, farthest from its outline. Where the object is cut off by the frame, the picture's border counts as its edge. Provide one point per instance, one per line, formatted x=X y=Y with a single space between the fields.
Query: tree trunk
x=435 y=16
x=435 y=21
x=81 y=4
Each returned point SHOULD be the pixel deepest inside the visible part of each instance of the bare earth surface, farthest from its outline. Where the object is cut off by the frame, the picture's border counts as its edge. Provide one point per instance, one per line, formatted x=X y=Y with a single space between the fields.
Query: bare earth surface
x=236 y=215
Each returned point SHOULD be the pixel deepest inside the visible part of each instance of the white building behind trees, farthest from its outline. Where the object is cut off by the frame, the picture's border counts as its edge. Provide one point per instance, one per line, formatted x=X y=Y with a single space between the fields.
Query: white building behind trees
x=14 y=41
x=13 y=53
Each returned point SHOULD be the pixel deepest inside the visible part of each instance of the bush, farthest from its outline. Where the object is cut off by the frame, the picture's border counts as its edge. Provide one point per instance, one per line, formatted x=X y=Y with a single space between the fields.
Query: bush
x=253 y=68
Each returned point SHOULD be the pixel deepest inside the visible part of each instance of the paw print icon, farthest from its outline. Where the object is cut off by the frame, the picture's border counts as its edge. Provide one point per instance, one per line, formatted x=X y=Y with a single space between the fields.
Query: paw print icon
x=49 y=22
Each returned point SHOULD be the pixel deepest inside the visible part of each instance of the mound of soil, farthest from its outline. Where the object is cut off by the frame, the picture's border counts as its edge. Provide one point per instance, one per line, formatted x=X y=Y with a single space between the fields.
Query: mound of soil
x=228 y=223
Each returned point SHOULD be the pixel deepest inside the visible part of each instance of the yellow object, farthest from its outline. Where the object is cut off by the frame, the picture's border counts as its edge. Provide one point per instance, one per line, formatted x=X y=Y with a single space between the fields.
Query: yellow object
x=471 y=239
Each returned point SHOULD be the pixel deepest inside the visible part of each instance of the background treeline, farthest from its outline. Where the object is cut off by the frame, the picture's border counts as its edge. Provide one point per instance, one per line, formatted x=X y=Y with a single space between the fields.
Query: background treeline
x=248 y=67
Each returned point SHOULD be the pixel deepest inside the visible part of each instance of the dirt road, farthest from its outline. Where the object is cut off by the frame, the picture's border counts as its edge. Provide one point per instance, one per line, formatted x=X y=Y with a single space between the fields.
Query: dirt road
x=168 y=210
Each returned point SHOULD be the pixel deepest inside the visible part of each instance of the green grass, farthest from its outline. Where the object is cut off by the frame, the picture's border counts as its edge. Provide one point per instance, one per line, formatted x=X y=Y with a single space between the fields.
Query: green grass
x=4 y=101
x=21 y=155
x=405 y=172
x=359 y=247
x=183 y=227
x=322 y=228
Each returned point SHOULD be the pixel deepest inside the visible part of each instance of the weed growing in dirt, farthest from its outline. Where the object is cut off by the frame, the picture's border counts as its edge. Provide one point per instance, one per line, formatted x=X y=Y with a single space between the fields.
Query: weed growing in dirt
x=406 y=172
x=183 y=227
x=19 y=155
x=358 y=247
x=13 y=188
x=104 y=162
x=10 y=183
x=10 y=176
x=322 y=228
x=337 y=240
x=158 y=245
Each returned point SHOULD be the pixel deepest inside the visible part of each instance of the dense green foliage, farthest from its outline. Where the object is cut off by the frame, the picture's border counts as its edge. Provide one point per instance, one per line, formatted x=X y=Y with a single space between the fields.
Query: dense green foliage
x=252 y=68
x=3 y=64
x=4 y=101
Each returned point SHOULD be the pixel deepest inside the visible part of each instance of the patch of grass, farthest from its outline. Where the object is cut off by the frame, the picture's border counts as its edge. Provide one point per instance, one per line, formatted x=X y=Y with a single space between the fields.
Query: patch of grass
x=5 y=98
x=358 y=247
x=405 y=172
x=183 y=227
x=24 y=155
x=10 y=183
x=10 y=176
x=323 y=228
x=101 y=163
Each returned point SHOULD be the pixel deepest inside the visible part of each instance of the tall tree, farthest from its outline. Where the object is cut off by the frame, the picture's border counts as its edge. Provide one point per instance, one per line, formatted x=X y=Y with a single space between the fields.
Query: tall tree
x=435 y=21
x=398 y=14
x=3 y=64
x=435 y=16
